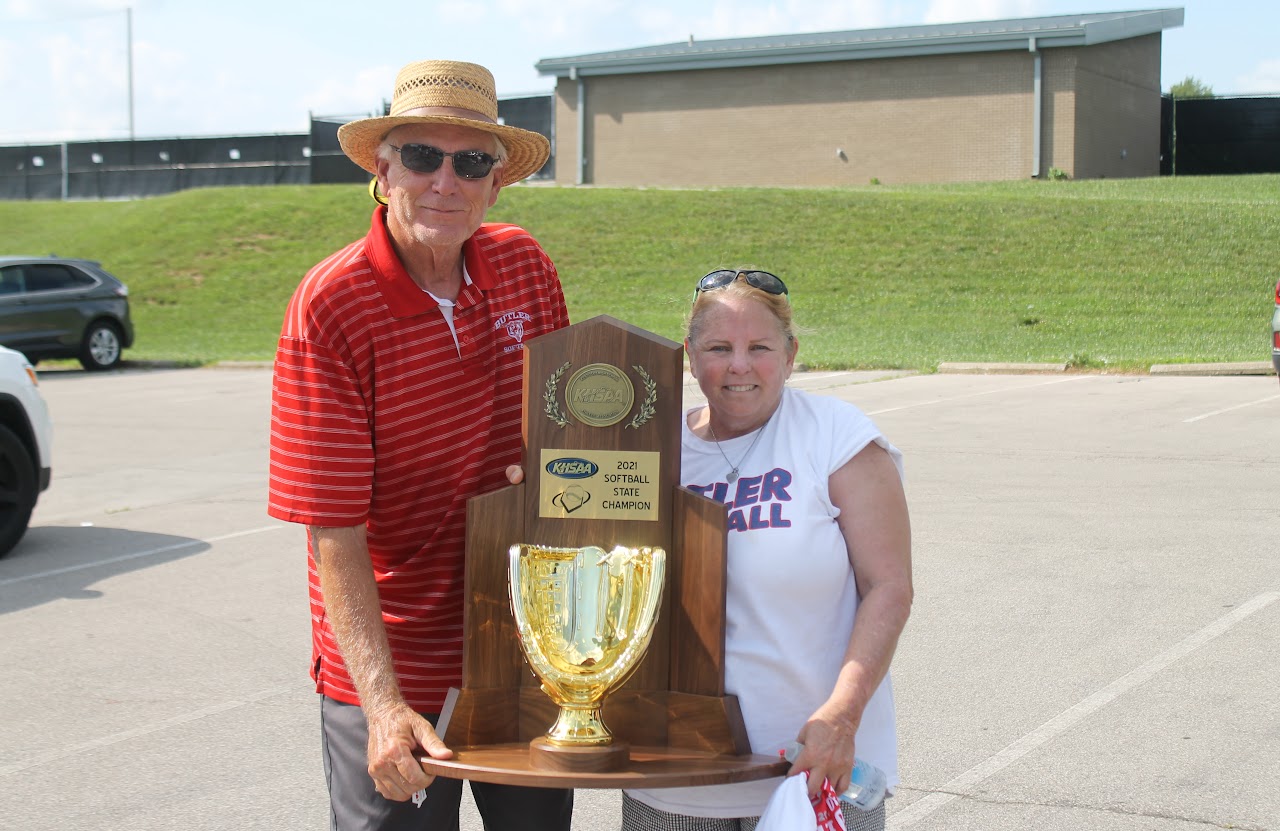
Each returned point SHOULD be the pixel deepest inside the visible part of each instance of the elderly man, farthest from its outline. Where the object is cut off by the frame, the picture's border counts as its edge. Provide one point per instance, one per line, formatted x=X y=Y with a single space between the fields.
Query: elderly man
x=397 y=397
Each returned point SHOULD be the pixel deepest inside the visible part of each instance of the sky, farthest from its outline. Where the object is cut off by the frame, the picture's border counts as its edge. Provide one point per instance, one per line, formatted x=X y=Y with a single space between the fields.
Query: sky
x=238 y=67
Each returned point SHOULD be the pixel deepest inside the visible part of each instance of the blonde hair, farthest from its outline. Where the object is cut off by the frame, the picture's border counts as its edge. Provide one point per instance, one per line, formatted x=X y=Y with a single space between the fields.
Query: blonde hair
x=775 y=303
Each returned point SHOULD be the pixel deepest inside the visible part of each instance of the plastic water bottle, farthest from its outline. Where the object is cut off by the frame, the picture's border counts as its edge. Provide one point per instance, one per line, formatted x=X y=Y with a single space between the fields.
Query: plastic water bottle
x=867 y=783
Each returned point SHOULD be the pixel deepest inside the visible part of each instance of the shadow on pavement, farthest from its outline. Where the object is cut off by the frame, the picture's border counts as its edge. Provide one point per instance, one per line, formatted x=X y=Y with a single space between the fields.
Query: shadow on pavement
x=57 y=562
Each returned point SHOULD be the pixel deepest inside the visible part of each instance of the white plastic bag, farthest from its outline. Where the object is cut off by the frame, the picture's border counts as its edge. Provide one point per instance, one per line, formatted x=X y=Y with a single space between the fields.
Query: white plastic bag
x=789 y=808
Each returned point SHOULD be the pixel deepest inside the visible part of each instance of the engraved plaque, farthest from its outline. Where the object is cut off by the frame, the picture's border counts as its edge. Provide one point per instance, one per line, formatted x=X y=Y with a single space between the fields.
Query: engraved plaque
x=599 y=484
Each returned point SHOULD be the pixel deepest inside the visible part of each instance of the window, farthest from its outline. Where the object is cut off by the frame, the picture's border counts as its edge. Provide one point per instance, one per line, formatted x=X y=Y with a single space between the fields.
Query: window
x=53 y=277
x=11 y=280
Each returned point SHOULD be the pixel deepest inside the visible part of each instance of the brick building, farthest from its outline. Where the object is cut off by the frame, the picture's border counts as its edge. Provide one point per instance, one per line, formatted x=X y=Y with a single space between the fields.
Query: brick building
x=996 y=100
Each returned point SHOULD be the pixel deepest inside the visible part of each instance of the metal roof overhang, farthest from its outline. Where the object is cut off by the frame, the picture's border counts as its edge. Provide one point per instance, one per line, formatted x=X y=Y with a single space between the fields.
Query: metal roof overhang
x=912 y=41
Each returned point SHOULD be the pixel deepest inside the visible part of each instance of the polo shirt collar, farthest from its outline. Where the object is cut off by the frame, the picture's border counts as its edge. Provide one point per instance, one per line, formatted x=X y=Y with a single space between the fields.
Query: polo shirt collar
x=404 y=297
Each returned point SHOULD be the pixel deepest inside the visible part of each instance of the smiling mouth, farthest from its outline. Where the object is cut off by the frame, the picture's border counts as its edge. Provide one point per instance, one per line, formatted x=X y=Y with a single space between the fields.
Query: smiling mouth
x=740 y=387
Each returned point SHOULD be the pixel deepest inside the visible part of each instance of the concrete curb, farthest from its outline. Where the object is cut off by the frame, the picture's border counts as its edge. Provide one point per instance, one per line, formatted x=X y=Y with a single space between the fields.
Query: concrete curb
x=1242 y=368
x=960 y=368
x=947 y=368
x=242 y=365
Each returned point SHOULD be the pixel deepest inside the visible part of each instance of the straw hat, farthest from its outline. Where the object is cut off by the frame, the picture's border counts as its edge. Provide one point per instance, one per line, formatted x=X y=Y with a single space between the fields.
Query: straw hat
x=446 y=92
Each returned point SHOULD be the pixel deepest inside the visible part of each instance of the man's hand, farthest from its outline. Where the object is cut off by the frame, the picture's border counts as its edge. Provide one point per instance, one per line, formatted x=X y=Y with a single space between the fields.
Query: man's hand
x=397 y=737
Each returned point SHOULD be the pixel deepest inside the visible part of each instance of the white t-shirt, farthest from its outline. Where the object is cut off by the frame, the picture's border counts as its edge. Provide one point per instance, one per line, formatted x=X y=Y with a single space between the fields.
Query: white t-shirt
x=791 y=590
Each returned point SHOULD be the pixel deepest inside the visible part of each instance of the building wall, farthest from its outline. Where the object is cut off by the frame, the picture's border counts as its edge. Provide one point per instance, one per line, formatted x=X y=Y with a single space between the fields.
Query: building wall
x=564 y=145
x=1058 y=148
x=1118 y=119
x=946 y=118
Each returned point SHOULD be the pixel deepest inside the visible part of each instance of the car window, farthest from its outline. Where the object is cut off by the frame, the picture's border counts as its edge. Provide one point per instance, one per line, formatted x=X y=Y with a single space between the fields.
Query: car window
x=11 y=281
x=53 y=277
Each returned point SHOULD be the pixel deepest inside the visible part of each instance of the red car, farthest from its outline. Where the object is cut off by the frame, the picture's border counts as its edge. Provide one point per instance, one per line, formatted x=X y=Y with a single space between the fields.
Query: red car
x=1275 y=333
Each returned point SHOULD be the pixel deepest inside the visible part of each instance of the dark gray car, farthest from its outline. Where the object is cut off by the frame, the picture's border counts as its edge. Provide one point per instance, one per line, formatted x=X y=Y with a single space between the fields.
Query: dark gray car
x=54 y=307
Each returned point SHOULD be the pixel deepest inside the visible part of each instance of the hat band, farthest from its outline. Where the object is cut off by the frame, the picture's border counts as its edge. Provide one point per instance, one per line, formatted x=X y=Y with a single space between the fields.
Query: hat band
x=448 y=112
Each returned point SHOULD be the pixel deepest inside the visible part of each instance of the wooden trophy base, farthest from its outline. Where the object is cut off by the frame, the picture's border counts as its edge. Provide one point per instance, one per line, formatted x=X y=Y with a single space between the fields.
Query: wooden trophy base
x=646 y=767
x=608 y=758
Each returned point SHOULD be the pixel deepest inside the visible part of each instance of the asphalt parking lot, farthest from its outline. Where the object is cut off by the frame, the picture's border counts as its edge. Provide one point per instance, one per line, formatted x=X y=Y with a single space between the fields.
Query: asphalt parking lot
x=1094 y=644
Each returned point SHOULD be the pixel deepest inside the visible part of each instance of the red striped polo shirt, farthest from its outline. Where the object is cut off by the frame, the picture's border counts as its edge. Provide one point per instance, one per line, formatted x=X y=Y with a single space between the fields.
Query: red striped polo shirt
x=378 y=417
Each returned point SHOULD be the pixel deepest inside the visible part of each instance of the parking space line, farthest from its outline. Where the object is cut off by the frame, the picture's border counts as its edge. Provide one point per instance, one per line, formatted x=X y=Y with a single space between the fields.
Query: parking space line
x=1229 y=409
x=977 y=394
x=53 y=572
x=125 y=735
x=1064 y=721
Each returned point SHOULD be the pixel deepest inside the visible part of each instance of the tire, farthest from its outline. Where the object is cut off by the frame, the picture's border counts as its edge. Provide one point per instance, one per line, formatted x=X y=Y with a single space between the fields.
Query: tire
x=18 y=489
x=101 y=347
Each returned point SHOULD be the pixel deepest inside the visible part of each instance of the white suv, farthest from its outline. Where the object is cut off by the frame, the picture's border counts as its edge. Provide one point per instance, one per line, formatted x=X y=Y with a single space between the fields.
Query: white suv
x=25 y=438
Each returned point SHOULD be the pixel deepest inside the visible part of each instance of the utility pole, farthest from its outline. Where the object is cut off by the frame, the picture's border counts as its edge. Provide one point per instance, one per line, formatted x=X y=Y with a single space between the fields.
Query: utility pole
x=128 y=17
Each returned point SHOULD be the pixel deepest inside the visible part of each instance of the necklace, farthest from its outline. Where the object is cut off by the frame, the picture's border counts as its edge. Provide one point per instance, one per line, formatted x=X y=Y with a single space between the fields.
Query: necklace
x=733 y=473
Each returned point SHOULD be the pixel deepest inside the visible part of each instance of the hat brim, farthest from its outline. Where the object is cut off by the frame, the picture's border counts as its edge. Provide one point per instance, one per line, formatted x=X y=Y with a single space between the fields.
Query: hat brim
x=527 y=151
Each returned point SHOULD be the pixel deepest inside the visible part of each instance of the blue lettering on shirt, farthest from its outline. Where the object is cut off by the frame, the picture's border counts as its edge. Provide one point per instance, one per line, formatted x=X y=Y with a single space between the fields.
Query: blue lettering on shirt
x=757 y=500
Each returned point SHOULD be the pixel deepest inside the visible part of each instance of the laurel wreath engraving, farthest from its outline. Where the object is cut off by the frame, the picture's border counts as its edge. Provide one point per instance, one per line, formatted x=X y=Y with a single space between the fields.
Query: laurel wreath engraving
x=552 y=409
x=651 y=396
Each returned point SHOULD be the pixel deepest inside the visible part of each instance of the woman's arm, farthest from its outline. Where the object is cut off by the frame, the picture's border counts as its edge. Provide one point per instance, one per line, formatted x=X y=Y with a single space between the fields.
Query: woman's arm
x=877 y=532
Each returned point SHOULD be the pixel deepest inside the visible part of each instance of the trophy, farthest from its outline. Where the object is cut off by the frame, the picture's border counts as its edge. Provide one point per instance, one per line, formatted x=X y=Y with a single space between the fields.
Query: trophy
x=596 y=589
x=585 y=617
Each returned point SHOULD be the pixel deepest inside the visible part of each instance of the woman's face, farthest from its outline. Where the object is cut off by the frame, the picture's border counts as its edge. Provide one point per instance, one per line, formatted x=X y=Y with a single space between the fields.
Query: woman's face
x=741 y=359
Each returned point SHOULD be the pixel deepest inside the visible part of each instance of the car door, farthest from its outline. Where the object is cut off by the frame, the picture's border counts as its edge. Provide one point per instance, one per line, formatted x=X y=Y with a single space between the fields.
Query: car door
x=40 y=306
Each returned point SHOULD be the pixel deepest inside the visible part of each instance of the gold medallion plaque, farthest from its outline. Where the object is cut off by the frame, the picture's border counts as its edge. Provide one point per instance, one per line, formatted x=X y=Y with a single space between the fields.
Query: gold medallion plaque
x=599 y=395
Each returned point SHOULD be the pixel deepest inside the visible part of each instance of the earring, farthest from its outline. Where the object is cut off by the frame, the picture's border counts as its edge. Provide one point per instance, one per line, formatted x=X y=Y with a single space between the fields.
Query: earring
x=373 y=192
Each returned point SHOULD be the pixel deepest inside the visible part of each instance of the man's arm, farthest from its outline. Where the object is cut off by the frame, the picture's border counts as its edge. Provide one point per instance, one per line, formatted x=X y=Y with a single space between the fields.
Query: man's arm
x=351 y=602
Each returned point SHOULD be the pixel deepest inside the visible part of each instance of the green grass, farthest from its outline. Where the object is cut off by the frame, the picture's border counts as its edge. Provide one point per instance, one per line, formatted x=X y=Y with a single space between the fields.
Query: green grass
x=1115 y=273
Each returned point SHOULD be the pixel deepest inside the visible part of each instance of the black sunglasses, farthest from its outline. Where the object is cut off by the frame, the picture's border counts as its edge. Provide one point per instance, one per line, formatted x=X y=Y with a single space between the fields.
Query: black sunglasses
x=423 y=158
x=762 y=280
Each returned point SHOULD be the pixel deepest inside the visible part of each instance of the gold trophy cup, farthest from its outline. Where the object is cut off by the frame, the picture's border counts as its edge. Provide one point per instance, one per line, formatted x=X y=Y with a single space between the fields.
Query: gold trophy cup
x=584 y=617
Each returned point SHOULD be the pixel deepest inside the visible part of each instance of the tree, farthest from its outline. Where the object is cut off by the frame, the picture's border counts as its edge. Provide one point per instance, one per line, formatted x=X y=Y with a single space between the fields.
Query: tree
x=1191 y=87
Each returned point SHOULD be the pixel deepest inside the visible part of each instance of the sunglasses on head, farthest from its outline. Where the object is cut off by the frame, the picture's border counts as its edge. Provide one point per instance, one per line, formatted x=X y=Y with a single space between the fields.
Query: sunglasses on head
x=762 y=280
x=423 y=158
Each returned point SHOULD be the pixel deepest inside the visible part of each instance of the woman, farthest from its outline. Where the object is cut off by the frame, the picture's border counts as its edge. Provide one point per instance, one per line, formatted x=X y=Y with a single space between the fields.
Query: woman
x=819 y=558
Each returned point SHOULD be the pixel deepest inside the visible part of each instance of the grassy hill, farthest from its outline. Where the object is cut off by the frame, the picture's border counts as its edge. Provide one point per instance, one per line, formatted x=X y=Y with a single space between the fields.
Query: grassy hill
x=1112 y=273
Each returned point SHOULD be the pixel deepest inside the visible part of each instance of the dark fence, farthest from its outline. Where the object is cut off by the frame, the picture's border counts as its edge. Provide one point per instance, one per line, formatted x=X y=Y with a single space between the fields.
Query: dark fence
x=127 y=169
x=535 y=113
x=147 y=167
x=1203 y=136
x=329 y=165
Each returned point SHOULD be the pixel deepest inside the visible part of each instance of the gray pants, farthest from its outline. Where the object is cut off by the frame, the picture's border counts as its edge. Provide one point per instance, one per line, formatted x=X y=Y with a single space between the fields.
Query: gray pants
x=355 y=805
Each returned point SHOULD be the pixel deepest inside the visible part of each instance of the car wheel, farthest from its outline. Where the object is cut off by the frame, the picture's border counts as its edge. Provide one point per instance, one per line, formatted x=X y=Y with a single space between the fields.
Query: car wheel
x=101 y=347
x=18 y=489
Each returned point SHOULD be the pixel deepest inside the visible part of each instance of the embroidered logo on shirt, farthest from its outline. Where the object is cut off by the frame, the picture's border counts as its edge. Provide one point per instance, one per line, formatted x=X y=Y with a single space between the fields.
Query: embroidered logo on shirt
x=514 y=323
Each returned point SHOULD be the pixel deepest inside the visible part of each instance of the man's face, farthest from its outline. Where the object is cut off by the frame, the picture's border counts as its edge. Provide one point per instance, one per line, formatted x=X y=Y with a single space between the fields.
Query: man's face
x=440 y=209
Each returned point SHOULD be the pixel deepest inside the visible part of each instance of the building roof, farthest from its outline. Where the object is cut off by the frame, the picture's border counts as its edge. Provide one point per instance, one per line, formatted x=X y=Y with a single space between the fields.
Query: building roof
x=901 y=41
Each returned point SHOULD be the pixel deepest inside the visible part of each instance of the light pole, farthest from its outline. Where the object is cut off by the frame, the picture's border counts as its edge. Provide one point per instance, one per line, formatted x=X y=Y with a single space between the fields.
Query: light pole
x=128 y=17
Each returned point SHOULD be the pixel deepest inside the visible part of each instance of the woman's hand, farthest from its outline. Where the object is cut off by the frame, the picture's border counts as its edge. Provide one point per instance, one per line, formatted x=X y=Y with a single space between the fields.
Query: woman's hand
x=827 y=749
